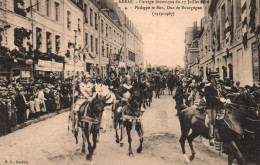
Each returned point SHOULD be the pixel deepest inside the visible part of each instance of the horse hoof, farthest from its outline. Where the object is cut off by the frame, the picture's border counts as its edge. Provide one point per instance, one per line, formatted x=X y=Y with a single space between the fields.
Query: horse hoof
x=77 y=147
x=191 y=157
x=88 y=157
x=139 y=150
x=90 y=162
x=122 y=144
x=117 y=141
x=131 y=154
x=83 y=151
x=187 y=160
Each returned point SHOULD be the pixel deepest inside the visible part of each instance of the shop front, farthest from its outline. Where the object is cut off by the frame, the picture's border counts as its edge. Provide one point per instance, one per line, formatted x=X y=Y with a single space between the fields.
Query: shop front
x=44 y=68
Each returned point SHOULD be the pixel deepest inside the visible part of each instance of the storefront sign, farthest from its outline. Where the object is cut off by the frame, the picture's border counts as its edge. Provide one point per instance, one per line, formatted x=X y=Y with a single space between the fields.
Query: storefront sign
x=29 y=62
x=25 y=74
x=49 y=66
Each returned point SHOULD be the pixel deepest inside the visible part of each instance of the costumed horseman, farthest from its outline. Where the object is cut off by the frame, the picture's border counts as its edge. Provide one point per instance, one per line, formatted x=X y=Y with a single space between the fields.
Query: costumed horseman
x=157 y=84
x=192 y=92
x=214 y=102
x=124 y=93
x=179 y=96
x=143 y=85
x=86 y=93
x=113 y=81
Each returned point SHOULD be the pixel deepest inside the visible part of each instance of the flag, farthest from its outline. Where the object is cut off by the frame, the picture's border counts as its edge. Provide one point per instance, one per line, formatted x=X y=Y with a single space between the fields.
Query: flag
x=244 y=22
x=228 y=35
x=252 y=15
x=232 y=22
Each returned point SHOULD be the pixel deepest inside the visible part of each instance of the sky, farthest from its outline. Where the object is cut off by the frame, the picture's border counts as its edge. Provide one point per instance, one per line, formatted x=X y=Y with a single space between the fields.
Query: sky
x=163 y=36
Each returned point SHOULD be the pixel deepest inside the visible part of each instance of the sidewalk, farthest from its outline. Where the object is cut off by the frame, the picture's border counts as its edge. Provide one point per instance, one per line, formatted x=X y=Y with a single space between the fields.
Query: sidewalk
x=41 y=118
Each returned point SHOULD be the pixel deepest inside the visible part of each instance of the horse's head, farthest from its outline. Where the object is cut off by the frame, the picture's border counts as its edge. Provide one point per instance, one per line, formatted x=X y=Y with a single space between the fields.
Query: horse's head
x=136 y=99
x=97 y=106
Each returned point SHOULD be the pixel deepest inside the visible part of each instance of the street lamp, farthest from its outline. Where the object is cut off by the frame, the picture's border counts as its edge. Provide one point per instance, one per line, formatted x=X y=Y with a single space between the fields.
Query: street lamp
x=75 y=60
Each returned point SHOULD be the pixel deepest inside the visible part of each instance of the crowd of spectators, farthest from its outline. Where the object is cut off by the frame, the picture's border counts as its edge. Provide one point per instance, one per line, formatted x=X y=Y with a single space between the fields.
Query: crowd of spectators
x=20 y=102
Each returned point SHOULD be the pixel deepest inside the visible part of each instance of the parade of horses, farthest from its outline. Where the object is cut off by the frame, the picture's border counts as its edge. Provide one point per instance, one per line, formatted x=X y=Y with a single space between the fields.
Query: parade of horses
x=130 y=82
x=226 y=114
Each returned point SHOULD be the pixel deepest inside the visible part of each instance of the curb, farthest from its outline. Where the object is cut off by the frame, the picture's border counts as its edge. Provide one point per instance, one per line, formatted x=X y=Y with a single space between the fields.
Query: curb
x=41 y=118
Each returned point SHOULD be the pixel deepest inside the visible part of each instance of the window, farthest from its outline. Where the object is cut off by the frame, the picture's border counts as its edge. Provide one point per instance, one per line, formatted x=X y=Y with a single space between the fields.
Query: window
x=68 y=20
x=223 y=21
x=110 y=32
x=114 y=35
x=96 y=24
x=91 y=15
x=96 y=46
x=86 y=38
x=79 y=26
x=107 y=51
x=91 y=43
x=18 y=38
x=103 y=49
x=38 y=38
x=57 y=11
x=106 y=30
x=19 y=8
x=48 y=8
x=237 y=11
x=86 y=13
x=57 y=43
x=48 y=43
x=37 y=5
x=102 y=27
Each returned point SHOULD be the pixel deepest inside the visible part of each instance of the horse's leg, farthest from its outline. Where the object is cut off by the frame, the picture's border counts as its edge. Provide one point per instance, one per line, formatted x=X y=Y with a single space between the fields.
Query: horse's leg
x=190 y=138
x=122 y=131
x=231 y=158
x=87 y=134
x=94 y=139
x=185 y=128
x=139 y=130
x=116 y=129
x=237 y=151
x=128 y=131
x=83 y=138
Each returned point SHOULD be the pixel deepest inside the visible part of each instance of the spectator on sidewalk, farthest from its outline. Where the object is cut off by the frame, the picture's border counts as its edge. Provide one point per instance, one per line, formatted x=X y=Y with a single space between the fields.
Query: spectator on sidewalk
x=20 y=103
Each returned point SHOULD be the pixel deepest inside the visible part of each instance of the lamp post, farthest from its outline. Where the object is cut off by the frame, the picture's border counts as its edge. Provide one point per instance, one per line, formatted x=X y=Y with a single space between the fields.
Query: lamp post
x=75 y=54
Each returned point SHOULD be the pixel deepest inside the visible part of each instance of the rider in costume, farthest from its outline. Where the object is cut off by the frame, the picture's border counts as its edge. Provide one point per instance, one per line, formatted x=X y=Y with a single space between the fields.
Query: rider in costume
x=124 y=93
x=214 y=102
x=86 y=94
x=113 y=81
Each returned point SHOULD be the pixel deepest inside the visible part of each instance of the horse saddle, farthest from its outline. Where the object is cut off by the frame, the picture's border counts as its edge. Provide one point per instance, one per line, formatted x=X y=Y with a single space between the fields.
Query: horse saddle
x=200 y=114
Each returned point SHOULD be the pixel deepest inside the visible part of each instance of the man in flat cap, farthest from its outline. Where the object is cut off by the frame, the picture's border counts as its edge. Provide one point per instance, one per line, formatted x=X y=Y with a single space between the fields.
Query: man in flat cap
x=214 y=101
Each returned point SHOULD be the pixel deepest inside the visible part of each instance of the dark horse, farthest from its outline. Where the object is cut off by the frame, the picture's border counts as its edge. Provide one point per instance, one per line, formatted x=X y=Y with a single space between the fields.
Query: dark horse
x=90 y=118
x=131 y=115
x=231 y=130
x=92 y=114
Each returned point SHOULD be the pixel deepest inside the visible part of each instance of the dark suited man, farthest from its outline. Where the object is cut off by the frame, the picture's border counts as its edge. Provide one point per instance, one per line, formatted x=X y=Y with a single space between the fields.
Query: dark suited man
x=214 y=102
x=20 y=103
